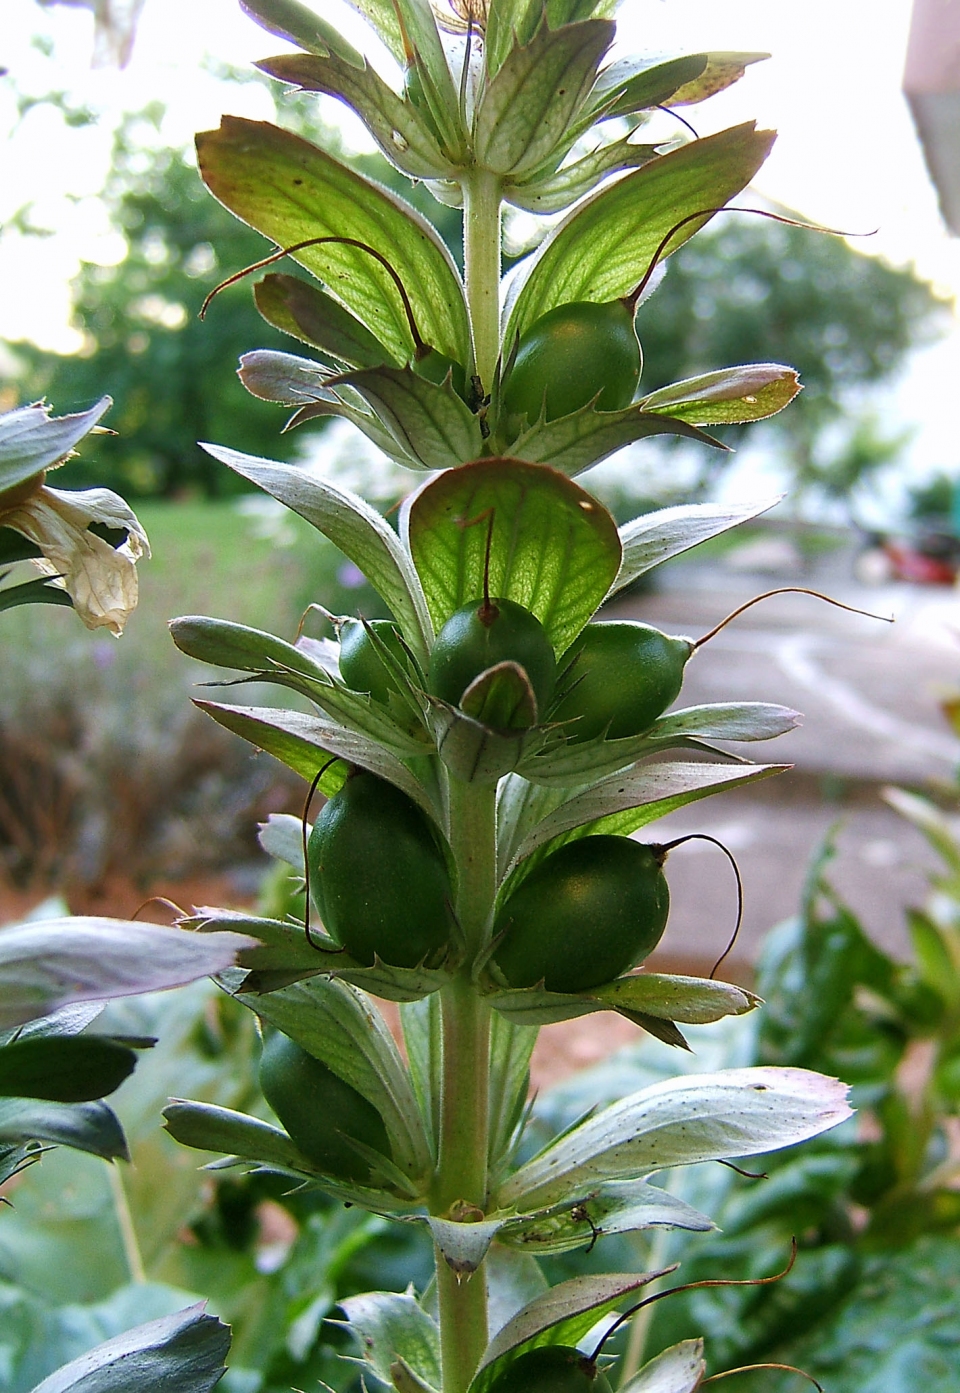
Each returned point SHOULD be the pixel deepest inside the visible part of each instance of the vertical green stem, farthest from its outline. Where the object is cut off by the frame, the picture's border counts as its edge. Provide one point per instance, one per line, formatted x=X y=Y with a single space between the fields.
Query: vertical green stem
x=460 y=1187
x=481 y=257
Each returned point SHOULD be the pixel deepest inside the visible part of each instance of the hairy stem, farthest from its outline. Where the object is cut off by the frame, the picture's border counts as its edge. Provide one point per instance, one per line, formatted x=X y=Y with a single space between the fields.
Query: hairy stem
x=460 y=1187
x=481 y=255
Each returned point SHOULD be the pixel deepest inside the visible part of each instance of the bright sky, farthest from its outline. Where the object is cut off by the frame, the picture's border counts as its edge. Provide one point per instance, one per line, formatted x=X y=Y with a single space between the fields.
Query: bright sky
x=847 y=155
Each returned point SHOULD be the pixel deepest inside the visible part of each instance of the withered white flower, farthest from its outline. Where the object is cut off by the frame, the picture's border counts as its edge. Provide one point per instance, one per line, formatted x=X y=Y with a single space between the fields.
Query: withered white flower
x=100 y=579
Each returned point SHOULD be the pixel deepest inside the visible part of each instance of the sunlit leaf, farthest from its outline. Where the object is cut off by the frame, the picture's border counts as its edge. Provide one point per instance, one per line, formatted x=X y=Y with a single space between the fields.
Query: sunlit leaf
x=729 y=396
x=553 y=548
x=602 y=250
x=292 y=191
x=396 y=126
x=576 y=442
x=527 y=109
x=679 y=1369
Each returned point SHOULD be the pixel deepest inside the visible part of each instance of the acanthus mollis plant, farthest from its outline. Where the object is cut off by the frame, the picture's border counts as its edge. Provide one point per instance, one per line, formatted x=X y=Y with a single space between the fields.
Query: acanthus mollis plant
x=487 y=753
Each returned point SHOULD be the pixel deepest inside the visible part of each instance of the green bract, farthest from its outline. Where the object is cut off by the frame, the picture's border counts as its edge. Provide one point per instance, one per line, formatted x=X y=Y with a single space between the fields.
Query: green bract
x=482 y=634
x=378 y=876
x=617 y=678
x=551 y=1369
x=361 y=666
x=435 y=367
x=319 y=1110
x=589 y=911
x=571 y=355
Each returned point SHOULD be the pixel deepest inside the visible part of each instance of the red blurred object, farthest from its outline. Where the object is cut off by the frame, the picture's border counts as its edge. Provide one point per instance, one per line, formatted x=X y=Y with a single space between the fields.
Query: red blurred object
x=909 y=564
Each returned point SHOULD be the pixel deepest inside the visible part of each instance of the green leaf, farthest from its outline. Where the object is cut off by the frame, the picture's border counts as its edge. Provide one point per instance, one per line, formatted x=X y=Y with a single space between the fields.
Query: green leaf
x=625 y=802
x=396 y=125
x=303 y=743
x=32 y=440
x=558 y=189
x=730 y=396
x=270 y=659
x=571 y=444
x=501 y=697
x=679 y=1369
x=639 y=85
x=300 y=382
x=44 y=966
x=528 y=108
x=692 y=1000
x=511 y=1047
x=561 y=1316
x=668 y=532
x=432 y=426
x=706 y=1117
x=282 y=947
x=422 y=1032
x=553 y=548
x=736 y=720
x=184 y=1353
x=644 y=998
x=353 y=526
x=33 y=592
x=679 y=81
x=208 y=1127
x=474 y=752
x=339 y=1026
x=71 y=1069
x=602 y=250
x=281 y=836
x=463 y=1245
x=225 y=644
x=628 y=1207
x=389 y=1326
x=296 y=307
x=299 y=25
x=291 y=191
x=423 y=44
x=91 y=1127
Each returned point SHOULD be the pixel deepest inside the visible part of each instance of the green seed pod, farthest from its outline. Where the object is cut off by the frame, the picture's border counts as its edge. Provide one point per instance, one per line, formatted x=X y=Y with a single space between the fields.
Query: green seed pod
x=569 y=355
x=377 y=875
x=319 y=1110
x=486 y=632
x=590 y=910
x=361 y=666
x=618 y=677
x=551 y=1369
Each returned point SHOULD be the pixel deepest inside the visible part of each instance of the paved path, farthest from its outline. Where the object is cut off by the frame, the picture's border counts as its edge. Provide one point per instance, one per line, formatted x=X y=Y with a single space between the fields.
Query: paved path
x=869 y=694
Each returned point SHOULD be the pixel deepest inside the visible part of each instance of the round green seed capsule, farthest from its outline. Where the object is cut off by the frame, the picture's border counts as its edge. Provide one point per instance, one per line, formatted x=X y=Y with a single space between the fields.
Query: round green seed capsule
x=482 y=634
x=618 y=677
x=378 y=876
x=361 y=665
x=551 y=1369
x=591 y=910
x=319 y=1110
x=571 y=355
